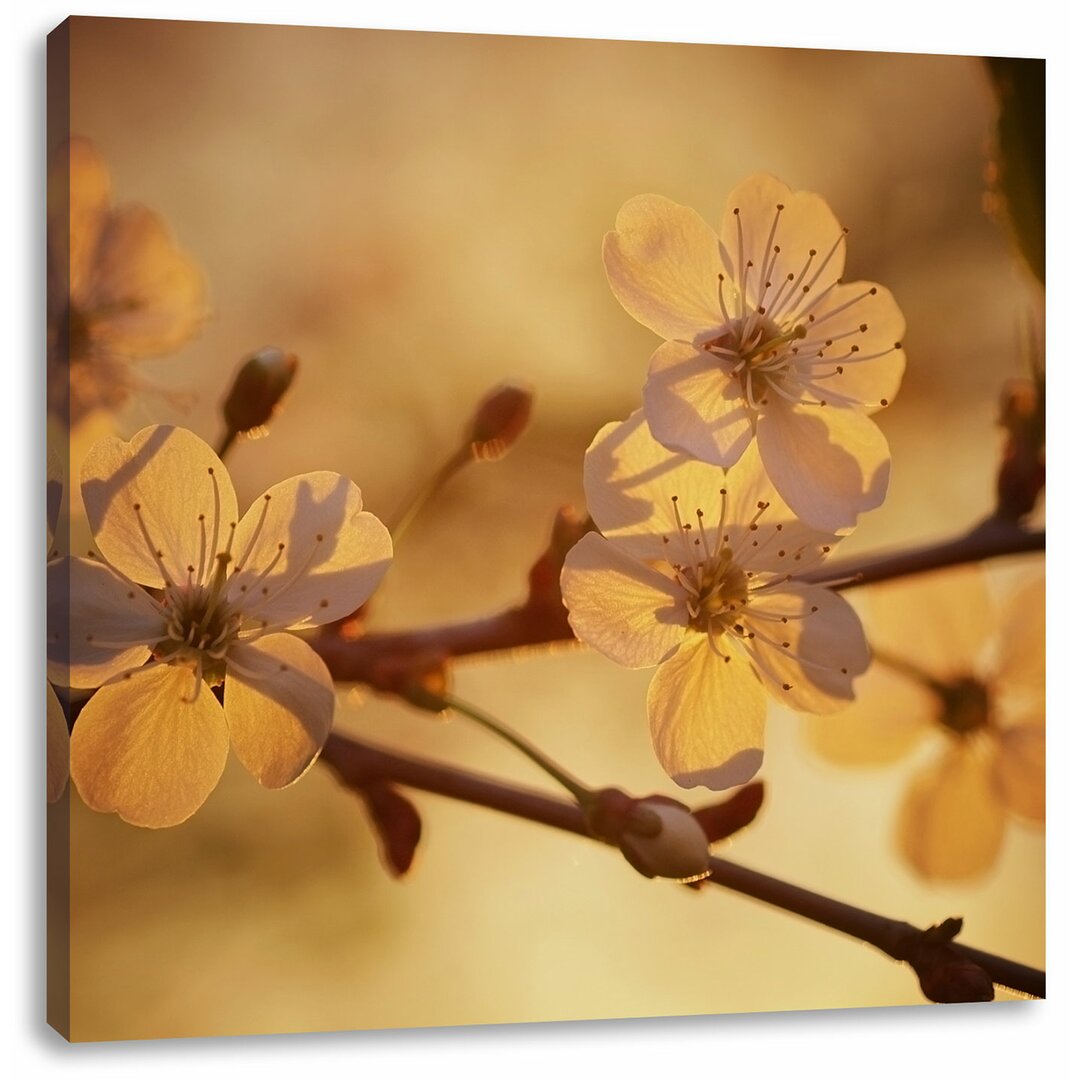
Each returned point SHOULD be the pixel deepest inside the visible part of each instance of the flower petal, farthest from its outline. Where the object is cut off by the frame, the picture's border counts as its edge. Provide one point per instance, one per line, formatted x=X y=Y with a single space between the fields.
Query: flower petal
x=940 y=621
x=951 y=821
x=1020 y=769
x=321 y=555
x=1021 y=653
x=185 y=498
x=143 y=749
x=56 y=746
x=694 y=405
x=279 y=702
x=889 y=716
x=99 y=624
x=805 y=223
x=852 y=348
x=829 y=464
x=143 y=295
x=707 y=717
x=630 y=612
x=816 y=653
x=662 y=263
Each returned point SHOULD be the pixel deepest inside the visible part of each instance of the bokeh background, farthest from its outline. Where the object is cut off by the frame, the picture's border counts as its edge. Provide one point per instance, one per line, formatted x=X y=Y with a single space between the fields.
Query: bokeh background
x=419 y=216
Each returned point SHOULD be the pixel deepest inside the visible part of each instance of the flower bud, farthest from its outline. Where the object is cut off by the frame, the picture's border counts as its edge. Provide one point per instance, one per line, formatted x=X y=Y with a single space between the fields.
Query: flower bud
x=257 y=389
x=678 y=849
x=499 y=421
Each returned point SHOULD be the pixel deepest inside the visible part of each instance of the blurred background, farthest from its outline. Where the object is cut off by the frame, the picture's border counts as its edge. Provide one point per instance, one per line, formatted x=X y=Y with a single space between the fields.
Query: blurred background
x=419 y=216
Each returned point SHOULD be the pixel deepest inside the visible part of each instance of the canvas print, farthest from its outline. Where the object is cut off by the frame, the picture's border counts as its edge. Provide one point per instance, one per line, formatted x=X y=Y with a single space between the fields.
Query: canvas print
x=538 y=529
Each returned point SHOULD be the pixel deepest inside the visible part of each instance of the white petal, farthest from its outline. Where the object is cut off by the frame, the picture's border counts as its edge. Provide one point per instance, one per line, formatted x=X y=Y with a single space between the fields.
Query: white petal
x=662 y=263
x=99 y=624
x=324 y=555
x=141 y=748
x=694 y=405
x=805 y=223
x=56 y=746
x=630 y=480
x=816 y=653
x=707 y=717
x=871 y=375
x=185 y=498
x=890 y=715
x=1020 y=769
x=630 y=612
x=829 y=464
x=144 y=295
x=952 y=821
x=279 y=702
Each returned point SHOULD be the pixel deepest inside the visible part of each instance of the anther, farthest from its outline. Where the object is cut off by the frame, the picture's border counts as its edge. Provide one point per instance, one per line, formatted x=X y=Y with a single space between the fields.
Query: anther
x=884 y=401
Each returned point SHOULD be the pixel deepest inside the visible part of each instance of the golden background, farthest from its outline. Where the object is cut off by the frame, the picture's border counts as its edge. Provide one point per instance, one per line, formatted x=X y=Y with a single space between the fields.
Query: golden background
x=419 y=216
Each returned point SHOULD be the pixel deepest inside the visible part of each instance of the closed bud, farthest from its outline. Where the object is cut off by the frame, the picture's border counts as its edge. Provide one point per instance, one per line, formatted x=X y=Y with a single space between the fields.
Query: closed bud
x=499 y=421
x=260 y=383
x=678 y=849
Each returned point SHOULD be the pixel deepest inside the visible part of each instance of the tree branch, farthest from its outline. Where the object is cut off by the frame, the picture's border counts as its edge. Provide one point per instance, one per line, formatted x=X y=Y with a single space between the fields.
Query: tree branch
x=930 y=953
x=388 y=662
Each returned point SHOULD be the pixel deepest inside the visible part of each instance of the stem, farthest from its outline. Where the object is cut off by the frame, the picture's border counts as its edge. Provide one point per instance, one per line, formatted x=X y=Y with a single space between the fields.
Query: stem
x=358 y=763
x=376 y=658
x=990 y=539
x=555 y=771
x=226 y=443
x=458 y=460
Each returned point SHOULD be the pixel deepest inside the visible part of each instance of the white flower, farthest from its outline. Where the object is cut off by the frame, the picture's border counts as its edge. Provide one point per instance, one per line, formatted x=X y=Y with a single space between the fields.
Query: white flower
x=694 y=572
x=763 y=342
x=152 y=742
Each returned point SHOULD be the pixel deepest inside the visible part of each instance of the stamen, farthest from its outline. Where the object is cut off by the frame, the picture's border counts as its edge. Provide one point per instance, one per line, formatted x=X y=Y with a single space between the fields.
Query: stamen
x=255 y=535
x=155 y=551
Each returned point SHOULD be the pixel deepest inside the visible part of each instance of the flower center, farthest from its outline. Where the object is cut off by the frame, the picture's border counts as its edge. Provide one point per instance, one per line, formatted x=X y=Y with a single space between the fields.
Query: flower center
x=965 y=705
x=201 y=626
x=758 y=353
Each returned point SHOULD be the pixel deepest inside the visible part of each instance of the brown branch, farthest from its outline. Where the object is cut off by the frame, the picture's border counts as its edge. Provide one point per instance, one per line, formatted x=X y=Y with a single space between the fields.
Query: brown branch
x=932 y=955
x=990 y=539
x=389 y=662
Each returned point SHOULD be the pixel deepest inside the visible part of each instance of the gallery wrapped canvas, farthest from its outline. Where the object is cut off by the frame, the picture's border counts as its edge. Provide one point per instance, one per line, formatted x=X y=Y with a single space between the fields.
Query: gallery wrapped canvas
x=538 y=529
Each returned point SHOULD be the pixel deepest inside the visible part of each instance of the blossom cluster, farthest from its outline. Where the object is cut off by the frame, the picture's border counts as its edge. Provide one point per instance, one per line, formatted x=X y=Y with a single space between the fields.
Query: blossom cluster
x=753 y=454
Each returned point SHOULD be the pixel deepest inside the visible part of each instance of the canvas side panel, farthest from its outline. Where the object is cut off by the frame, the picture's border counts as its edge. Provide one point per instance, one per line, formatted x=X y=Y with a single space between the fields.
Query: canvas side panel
x=58 y=820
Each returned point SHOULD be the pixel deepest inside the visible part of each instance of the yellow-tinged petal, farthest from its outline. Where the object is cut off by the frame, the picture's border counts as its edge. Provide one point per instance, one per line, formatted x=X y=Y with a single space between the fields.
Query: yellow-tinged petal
x=952 y=820
x=940 y=621
x=707 y=717
x=890 y=715
x=862 y=338
x=185 y=498
x=630 y=479
x=1020 y=769
x=144 y=295
x=623 y=608
x=809 y=661
x=99 y=623
x=56 y=746
x=325 y=555
x=1021 y=653
x=829 y=464
x=662 y=263
x=753 y=234
x=279 y=702
x=694 y=404
x=144 y=749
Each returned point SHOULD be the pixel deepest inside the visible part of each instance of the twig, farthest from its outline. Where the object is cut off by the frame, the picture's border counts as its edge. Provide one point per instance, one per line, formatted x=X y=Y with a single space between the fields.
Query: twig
x=387 y=661
x=359 y=763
